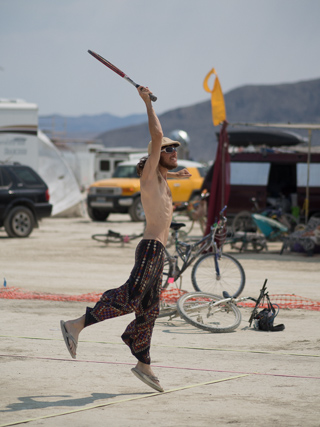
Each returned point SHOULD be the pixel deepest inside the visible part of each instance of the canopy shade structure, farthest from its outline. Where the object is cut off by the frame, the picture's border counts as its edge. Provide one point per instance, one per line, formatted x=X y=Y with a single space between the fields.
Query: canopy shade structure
x=306 y=126
x=269 y=138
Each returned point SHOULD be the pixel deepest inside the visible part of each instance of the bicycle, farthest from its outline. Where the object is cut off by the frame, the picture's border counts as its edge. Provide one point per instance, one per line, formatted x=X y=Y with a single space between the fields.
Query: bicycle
x=253 y=230
x=212 y=271
x=214 y=313
x=195 y=210
x=115 y=237
x=245 y=221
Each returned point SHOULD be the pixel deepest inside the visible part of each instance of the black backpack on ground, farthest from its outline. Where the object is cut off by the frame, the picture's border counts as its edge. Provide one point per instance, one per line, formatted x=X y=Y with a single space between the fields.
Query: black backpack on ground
x=266 y=318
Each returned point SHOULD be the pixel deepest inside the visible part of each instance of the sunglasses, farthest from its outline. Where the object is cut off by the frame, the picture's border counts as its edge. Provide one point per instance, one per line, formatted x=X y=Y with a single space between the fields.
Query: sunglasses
x=169 y=150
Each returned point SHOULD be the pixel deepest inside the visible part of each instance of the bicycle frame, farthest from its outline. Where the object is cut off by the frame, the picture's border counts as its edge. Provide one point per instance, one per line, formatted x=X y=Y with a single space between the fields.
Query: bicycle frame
x=263 y=294
x=216 y=305
x=189 y=252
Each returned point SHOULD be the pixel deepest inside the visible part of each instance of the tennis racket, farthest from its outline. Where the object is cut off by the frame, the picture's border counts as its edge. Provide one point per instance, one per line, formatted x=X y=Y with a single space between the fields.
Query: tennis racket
x=118 y=71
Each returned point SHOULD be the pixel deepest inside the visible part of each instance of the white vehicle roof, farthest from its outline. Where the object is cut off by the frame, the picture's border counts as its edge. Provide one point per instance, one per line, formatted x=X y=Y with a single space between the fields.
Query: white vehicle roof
x=184 y=163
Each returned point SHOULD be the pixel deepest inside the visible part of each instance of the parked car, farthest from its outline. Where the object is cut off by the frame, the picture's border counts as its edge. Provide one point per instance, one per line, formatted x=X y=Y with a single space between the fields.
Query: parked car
x=121 y=194
x=24 y=199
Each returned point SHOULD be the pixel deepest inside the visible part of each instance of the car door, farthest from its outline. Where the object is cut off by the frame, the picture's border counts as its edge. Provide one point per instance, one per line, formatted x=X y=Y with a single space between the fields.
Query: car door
x=6 y=195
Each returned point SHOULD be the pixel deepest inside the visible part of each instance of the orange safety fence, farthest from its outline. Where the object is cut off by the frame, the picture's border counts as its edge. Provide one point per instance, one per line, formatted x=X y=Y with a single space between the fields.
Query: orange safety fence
x=168 y=295
x=288 y=301
x=16 y=293
x=171 y=295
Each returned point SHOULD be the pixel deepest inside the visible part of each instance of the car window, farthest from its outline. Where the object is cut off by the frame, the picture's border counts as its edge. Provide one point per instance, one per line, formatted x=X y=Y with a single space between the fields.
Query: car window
x=202 y=171
x=5 y=178
x=27 y=176
x=128 y=171
x=116 y=162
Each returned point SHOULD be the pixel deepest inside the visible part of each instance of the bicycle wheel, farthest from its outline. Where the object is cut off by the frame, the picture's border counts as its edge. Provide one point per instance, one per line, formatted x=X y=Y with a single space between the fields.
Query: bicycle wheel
x=103 y=238
x=205 y=278
x=167 y=270
x=243 y=222
x=167 y=309
x=168 y=302
x=198 y=309
x=289 y=221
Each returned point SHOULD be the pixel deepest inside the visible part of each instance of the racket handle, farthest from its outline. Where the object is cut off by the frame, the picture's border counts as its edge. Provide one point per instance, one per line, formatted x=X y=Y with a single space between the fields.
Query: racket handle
x=152 y=97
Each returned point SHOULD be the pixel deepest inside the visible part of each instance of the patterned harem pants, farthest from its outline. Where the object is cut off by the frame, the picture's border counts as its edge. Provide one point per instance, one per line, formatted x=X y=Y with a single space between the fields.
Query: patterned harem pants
x=140 y=294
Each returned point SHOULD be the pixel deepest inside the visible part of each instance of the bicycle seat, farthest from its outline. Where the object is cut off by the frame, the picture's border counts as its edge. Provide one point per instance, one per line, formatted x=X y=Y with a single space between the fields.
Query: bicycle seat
x=113 y=234
x=177 y=225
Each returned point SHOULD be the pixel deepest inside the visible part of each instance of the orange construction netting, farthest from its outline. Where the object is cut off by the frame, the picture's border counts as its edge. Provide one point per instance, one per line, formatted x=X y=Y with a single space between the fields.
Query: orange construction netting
x=16 y=293
x=282 y=300
x=168 y=295
x=288 y=301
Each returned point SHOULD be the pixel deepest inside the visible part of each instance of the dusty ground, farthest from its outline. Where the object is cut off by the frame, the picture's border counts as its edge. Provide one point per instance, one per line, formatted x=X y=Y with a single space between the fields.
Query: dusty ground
x=245 y=378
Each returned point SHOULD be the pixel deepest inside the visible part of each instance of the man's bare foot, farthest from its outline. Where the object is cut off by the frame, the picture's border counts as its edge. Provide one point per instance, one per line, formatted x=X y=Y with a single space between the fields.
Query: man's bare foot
x=145 y=374
x=146 y=369
x=70 y=331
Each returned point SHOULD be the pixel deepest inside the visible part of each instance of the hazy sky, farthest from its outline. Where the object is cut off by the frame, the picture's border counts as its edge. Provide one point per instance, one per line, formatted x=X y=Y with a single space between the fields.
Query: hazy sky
x=168 y=45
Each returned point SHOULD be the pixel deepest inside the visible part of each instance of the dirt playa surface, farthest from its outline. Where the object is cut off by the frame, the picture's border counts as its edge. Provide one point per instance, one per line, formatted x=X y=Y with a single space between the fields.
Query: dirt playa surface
x=245 y=378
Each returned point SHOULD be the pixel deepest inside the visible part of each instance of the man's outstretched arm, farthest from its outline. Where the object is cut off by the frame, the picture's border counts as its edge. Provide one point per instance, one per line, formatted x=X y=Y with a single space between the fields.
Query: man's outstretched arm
x=183 y=173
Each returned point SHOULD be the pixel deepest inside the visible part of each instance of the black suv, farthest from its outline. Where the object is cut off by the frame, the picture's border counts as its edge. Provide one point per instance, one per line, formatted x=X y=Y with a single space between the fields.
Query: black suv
x=24 y=199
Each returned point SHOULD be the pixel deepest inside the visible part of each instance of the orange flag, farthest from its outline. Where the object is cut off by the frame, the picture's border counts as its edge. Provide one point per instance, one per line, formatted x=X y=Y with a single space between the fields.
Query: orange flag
x=217 y=100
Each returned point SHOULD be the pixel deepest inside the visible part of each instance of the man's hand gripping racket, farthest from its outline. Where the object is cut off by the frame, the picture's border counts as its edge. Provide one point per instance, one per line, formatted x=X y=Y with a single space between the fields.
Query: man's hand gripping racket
x=119 y=72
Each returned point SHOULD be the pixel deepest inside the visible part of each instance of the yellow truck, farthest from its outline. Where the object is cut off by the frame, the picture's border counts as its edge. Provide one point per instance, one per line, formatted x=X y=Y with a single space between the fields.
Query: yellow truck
x=121 y=193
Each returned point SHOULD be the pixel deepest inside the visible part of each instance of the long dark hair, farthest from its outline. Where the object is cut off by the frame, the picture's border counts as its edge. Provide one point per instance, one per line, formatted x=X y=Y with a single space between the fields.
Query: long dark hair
x=141 y=165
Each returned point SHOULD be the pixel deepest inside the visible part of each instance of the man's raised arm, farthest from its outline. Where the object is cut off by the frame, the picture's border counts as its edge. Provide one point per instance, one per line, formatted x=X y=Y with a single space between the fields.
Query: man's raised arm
x=155 y=128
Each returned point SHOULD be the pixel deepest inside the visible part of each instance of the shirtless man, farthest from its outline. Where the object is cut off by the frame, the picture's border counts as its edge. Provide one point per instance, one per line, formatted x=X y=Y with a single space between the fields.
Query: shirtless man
x=140 y=294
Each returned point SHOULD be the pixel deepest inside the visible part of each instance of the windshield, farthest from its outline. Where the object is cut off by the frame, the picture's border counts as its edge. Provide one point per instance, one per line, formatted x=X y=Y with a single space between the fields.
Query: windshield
x=125 y=172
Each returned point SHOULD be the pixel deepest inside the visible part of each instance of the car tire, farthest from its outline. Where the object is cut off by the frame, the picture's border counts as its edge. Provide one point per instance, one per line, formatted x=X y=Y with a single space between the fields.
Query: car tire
x=136 y=210
x=19 y=222
x=194 y=197
x=97 y=215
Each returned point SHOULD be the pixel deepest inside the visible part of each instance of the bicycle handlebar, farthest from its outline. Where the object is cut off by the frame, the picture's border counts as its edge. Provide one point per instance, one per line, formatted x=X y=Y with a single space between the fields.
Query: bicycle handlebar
x=223 y=209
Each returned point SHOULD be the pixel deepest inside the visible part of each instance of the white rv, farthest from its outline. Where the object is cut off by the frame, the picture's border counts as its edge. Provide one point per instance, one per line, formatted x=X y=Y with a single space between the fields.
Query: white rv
x=94 y=162
x=21 y=141
x=107 y=159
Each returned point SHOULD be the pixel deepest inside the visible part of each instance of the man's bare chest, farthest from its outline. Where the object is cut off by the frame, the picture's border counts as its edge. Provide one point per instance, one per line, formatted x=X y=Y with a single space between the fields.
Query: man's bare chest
x=164 y=187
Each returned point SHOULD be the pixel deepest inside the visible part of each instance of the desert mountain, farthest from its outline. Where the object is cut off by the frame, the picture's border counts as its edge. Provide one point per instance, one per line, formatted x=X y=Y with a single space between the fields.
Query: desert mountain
x=281 y=103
